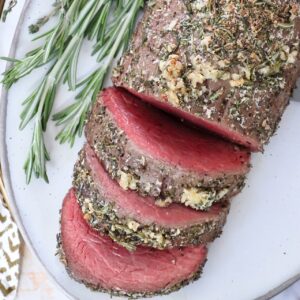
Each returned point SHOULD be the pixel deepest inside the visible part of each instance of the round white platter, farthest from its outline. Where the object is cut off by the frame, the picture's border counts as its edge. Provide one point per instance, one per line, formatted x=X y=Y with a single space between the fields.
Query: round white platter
x=259 y=250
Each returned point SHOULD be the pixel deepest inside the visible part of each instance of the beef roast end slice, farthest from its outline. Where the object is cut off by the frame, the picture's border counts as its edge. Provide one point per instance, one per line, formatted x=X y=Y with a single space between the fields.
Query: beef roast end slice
x=104 y=265
x=227 y=65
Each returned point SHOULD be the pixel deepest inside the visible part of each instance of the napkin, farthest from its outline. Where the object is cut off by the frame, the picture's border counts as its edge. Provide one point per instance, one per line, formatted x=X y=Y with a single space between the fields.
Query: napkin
x=9 y=252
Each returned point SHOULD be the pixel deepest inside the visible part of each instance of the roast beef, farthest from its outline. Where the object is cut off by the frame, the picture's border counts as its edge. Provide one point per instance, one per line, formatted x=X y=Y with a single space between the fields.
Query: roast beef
x=131 y=220
x=104 y=265
x=226 y=65
x=150 y=152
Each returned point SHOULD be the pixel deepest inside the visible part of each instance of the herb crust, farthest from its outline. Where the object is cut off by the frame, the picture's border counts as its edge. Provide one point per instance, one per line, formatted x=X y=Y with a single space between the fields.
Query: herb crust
x=105 y=217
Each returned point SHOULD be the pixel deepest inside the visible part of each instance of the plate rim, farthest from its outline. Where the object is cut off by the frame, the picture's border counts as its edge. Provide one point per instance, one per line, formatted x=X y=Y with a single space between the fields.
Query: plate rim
x=9 y=187
x=4 y=158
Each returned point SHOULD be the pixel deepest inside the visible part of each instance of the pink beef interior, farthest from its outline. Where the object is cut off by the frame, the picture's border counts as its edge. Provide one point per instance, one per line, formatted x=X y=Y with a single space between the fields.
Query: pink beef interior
x=97 y=260
x=214 y=127
x=162 y=137
x=143 y=209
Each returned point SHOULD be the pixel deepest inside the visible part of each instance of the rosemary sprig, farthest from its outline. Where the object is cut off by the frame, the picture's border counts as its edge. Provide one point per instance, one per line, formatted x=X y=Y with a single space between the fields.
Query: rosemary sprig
x=55 y=43
x=115 y=40
x=38 y=105
x=110 y=24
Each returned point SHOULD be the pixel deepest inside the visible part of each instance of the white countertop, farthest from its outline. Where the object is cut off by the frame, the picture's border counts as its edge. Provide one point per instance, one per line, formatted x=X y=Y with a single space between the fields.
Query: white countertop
x=34 y=283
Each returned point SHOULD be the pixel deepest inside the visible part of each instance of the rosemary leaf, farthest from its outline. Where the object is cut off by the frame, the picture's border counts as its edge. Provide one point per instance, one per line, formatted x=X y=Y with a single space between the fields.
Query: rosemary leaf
x=57 y=6
x=11 y=5
x=37 y=156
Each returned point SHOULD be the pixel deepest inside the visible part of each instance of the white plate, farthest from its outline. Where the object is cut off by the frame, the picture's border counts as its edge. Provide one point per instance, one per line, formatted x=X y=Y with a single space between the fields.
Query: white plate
x=260 y=247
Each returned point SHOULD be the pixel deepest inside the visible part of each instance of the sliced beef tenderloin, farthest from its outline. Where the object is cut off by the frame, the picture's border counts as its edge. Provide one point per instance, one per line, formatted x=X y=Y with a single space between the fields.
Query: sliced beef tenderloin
x=131 y=220
x=103 y=265
x=150 y=152
x=227 y=65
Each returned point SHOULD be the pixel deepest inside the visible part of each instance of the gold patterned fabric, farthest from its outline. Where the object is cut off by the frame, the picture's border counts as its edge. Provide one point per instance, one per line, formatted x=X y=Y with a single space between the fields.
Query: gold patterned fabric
x=9 y=251
x=1 y=6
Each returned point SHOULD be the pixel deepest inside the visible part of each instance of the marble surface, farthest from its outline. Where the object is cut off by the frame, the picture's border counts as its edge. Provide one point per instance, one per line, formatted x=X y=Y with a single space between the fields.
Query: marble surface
x=34 y=283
